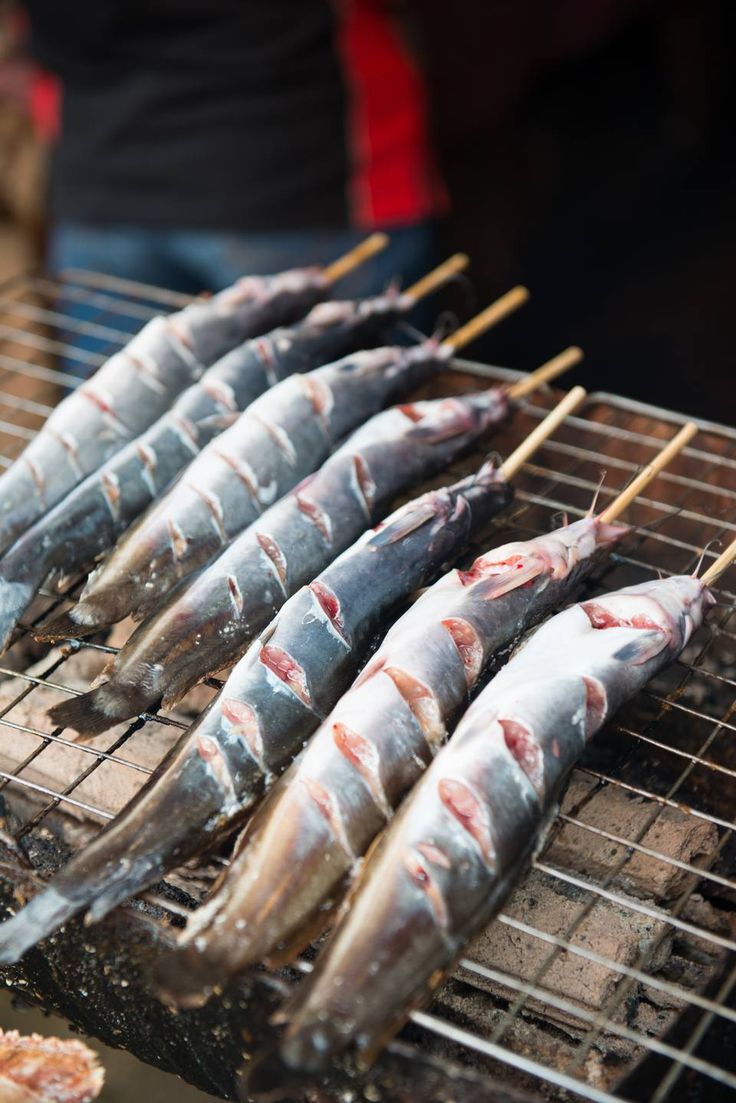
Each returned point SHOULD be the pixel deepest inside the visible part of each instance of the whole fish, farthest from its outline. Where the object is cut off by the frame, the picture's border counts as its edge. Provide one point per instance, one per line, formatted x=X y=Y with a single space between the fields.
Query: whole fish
x=449 y=859
x=88 y=521
x=136 y=385
x=210 y=622
x=282 y=437
x=324 y=813
x=273 y=700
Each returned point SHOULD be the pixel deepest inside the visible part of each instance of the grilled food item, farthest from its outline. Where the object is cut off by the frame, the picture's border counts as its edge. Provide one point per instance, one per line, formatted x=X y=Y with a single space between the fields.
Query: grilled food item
x=210 y=622
x=280 y=439
x=275 y=697
x=88 y=521
x=450 y=857
x=34 y=1069
x=136 y=385
x=324 y=813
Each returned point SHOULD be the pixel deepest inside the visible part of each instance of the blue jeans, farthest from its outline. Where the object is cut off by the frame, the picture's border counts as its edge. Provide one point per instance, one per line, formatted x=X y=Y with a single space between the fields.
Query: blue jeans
x=192 y=261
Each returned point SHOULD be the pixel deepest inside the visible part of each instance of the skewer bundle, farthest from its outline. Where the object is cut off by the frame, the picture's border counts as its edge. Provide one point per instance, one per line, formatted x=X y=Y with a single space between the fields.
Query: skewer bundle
x=303 y=627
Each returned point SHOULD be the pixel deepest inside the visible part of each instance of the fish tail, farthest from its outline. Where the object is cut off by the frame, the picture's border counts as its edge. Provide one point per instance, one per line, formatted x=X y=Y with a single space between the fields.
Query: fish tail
x=45 y=913
x=20 y=578
x=101 y=708
x=63 y=626
x=183 y=977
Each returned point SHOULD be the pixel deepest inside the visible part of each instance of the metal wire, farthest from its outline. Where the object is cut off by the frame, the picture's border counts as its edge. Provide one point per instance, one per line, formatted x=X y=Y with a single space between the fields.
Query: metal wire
x=671 y=751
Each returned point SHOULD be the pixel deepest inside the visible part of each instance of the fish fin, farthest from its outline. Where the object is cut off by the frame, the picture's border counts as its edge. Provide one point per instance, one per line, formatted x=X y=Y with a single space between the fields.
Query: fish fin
x=43 y=915
x=409 y=521
x=94 y=712
x=646 y=646
x=183 y=976
x=498 y=585
x=63 y=626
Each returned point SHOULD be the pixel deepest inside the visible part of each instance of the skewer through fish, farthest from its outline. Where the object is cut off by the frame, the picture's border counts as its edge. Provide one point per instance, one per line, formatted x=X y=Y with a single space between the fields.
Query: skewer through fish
x=195 y=797
x=469 y=827
x=280 y=439
x=138 y=384
x=208 y=623
x=324 y=813
x=275 y=697
x=89 y=520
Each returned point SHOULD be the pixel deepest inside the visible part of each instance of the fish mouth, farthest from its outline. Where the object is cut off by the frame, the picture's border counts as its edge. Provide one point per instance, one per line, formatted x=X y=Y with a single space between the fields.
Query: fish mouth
x=610 y=533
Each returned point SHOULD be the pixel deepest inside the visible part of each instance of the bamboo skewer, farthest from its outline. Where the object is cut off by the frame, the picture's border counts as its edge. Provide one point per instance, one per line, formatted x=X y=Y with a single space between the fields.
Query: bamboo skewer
x=487 y=318
x=438 y=276
x=355 y=257
x=539 y=434
x=716 y=569
x=645 y=476
x=549 y=371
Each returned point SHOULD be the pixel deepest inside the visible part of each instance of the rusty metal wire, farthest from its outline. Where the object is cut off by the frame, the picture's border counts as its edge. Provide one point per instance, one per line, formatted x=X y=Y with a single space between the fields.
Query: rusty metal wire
x=672 y=750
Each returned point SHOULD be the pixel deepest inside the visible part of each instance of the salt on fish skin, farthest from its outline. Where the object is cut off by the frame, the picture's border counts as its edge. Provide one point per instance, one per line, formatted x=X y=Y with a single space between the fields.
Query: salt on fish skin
x=88 y=521
x=459 y=841
x=275 y=443
x=222 y=764
x=138 y=384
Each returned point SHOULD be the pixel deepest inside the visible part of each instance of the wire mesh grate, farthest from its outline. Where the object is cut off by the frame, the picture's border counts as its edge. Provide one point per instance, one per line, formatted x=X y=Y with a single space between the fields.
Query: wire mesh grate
x=616 y=954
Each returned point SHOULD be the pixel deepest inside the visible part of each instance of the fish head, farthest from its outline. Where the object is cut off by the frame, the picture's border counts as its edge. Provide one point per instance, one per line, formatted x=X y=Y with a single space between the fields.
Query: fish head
x=257 y=288
x=450 y=418
x=673 y=607
x=566 y=548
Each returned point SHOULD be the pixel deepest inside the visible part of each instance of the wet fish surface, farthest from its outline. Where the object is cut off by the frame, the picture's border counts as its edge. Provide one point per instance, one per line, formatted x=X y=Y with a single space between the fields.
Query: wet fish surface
x=209 y=622
x=280 y=439
x=307 y=840
x=449 y=859
x=88 y=521
x=135 y=386
x=275 y=697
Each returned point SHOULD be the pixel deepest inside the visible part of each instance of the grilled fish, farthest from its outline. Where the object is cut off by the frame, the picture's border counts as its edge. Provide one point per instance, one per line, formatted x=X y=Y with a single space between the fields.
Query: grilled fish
x=280 y=439
x=448 y=861
x=210 y=622
x=324 y=813
x=136 y=385
x=275 y=697
x=88 y=521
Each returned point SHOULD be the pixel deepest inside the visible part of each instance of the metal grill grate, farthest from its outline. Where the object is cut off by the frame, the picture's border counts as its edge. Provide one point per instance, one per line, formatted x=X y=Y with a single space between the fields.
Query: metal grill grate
x=646 y=832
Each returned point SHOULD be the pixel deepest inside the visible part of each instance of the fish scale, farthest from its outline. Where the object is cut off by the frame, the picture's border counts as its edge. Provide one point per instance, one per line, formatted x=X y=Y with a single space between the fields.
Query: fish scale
x=138 y=384
x=89 y=520
x=450 y=857
x=377 y=741
x=282 y=437
x=222 y=764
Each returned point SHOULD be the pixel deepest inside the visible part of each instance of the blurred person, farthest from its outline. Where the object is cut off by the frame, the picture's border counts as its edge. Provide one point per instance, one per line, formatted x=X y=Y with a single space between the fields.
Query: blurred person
x=201 y=140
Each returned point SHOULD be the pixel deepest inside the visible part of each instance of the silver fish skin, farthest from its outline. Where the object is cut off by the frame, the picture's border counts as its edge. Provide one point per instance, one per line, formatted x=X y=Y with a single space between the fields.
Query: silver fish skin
x=136 y=386
x=211 y=621
x=220 y=767
x=450 y=857
x=89 y=520
x=282 y=437
x=293 y=675
x=251 y=306
x=324 y=813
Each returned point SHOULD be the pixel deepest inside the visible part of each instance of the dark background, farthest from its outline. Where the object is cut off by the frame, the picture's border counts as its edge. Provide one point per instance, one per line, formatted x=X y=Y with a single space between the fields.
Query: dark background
x=589 y=152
